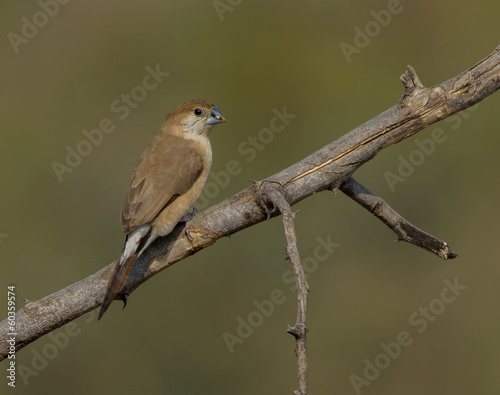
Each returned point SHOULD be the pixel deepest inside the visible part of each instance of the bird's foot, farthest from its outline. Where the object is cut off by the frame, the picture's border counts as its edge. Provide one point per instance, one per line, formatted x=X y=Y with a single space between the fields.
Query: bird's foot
x=188 y=234
x=185 y=219
x=188 y=216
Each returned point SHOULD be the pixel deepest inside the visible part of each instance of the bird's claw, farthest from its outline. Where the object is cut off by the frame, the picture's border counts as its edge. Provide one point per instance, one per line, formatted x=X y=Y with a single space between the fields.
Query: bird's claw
x=186 y=217
x=188 y=234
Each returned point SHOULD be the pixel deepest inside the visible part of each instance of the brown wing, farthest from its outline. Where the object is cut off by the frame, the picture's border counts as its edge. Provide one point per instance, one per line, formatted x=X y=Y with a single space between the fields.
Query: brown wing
x=167 y=169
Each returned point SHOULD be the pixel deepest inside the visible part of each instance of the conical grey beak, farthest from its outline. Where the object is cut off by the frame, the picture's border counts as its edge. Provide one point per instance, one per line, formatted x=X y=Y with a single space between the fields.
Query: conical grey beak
x=216 y=117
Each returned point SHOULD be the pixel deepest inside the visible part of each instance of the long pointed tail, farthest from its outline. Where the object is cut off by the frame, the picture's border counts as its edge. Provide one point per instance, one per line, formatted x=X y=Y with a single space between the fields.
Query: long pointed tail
x=131 y=251
x=116 y=281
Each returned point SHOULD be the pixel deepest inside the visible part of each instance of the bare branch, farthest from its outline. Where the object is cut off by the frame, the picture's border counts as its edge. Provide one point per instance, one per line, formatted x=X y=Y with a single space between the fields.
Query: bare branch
x=270 y=196
x=326 y=169
x=405 y=230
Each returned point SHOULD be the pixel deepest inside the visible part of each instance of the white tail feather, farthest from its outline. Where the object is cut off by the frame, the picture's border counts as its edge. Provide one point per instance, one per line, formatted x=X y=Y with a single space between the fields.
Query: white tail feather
x=133 y=241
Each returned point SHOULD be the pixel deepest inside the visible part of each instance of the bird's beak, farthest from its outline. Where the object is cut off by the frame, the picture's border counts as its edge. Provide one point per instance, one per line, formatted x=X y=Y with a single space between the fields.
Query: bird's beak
x=216 y=117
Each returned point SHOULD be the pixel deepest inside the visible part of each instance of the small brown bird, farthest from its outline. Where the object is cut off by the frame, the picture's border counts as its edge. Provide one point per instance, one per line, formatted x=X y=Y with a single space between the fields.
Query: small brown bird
x=166 y=183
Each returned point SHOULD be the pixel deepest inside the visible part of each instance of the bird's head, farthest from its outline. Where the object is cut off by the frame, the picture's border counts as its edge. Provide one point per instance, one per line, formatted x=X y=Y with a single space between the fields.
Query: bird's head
x=195 y=117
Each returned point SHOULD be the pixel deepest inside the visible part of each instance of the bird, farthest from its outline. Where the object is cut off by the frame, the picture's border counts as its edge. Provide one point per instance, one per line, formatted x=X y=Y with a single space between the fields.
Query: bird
x=165 y=185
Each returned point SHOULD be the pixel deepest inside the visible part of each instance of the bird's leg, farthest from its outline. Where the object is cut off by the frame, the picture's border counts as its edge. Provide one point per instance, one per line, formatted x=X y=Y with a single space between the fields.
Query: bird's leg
x=185 y=219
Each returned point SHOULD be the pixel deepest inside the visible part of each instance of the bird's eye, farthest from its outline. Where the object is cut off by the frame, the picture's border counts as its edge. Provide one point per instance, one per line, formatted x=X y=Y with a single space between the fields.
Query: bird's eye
x=197 y=112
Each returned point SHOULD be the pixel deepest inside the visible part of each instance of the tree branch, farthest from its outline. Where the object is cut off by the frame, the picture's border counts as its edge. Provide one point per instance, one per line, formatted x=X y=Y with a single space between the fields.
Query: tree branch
x=270 y=196
x=326 y=169
x=405 y=230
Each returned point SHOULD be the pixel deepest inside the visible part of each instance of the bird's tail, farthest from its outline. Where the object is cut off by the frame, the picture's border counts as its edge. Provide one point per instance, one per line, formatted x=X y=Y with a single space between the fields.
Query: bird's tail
x=134 y=245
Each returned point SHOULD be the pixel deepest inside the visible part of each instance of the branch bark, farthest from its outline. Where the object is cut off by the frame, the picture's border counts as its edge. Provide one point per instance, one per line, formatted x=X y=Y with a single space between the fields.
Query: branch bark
x=326 y=169
x=270 y=197
x=405 y=230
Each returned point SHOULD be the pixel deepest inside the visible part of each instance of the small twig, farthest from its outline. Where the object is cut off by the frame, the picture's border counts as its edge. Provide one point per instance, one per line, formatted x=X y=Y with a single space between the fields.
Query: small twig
x=270 y=197
x=405 y=230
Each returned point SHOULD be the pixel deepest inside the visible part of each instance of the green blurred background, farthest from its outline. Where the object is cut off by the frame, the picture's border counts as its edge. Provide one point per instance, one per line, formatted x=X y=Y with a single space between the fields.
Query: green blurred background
x=249 y=58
